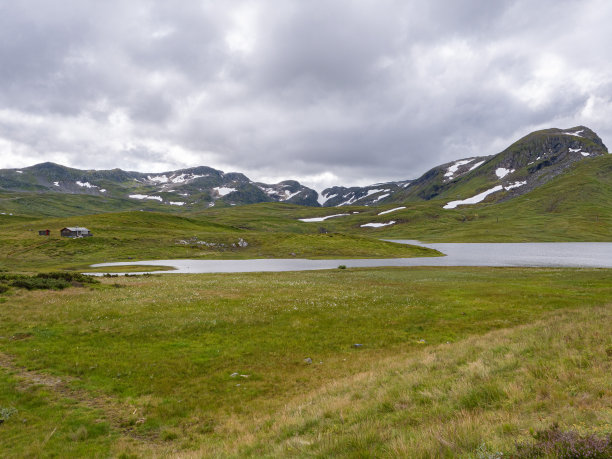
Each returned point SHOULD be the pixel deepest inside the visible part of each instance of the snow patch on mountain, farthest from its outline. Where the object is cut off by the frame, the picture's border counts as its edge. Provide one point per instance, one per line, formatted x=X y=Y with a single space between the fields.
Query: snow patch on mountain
x=158 y=178
x=85 y=184
x=515 y=185
x=474 y=199
x=391 y=210
x=478 y=164
x=146 y=196
x=349 y=201
x=289 y=195
x=183 y=178
x=579 y=150
x=455 y=166
x=382 y=196
x=501 y=172
x=323 y=198
x=321 y=219
x=377 y=225
x=577 y=133
x=223 y=191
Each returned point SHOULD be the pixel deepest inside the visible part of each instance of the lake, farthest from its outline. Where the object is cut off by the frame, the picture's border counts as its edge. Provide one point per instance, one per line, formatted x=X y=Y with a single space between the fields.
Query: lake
x=536 y=254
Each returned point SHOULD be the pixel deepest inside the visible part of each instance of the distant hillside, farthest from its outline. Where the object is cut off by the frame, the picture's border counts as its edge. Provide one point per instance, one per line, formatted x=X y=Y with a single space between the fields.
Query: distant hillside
x=198 y=187
x=529 y=163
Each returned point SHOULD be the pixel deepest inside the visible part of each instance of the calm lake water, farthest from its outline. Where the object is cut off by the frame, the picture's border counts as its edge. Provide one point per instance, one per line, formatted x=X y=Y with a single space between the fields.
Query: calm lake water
x=548 y=254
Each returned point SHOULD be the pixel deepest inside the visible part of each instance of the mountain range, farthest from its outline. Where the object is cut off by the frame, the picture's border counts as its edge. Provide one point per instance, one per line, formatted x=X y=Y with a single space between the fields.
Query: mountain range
x=525 y=165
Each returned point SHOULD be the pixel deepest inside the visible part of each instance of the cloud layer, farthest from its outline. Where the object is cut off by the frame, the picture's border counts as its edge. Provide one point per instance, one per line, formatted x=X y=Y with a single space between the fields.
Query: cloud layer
x=328 y=92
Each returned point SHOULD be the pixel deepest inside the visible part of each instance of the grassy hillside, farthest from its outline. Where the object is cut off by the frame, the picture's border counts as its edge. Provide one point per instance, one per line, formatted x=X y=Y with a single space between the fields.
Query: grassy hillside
x=451 y=362
x=148 y=235
x=574 y=206
x=36 y=205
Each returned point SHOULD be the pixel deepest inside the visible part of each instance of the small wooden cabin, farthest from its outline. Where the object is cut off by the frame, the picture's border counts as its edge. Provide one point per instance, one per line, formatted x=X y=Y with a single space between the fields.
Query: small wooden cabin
x=44 y=232
x=75 y=231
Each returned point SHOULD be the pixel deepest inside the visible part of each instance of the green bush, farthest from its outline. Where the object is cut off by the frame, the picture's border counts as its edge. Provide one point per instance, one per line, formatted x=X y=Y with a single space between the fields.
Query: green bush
x=69 y=277
x=3 y=288
x=46 y=281
x=40 y=283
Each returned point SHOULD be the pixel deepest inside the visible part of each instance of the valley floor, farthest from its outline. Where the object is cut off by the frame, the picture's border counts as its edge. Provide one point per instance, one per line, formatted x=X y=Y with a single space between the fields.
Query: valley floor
x=415 y=362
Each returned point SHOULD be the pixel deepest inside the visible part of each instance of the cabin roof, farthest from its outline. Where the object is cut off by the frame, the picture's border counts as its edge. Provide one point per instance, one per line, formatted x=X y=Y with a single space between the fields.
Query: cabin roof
x=75 y=228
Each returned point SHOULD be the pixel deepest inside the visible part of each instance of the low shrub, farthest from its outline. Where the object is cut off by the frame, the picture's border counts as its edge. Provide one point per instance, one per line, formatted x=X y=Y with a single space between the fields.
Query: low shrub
x=40 y=283
x=3 y=288
x=46 y=281
x=566 y=444
x=69 y=277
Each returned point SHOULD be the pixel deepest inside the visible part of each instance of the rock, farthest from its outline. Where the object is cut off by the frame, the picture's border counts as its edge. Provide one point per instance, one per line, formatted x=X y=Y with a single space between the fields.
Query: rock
x=307 y=360
x=356 y=345
x=233 y=375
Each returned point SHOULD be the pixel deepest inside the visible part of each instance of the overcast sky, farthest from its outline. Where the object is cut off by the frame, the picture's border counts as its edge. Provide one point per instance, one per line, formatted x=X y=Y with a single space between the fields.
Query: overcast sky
x=347 y=92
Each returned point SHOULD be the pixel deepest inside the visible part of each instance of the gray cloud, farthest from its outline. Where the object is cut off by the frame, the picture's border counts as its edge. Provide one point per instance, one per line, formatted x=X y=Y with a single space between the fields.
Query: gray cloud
x=330 y=92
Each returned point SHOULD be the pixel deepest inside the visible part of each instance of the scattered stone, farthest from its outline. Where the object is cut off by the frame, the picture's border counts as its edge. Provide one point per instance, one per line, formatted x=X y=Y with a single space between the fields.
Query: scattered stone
x=307 y=360
x=233 y=375
x=244 y=376
x=421 y=341
x=357 y=345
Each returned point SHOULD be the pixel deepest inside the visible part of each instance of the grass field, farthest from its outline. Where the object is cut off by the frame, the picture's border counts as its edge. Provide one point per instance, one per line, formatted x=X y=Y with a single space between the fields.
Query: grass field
x=417 y=362
x=148 y=235
x=452 y=363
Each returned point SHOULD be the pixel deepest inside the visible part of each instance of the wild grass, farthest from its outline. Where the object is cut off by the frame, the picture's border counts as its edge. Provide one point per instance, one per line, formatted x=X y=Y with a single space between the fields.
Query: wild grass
x=451 y=362
x=146 y=235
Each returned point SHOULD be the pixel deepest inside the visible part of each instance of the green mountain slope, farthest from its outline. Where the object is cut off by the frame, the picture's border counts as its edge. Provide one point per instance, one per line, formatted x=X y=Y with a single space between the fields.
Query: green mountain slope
x=573 y=206
x=527 y=164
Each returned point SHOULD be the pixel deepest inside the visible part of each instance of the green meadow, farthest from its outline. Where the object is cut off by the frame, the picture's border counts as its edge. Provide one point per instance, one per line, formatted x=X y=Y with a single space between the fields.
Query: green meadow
x=387 y=362
x=418 y=362
x=138 y=235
